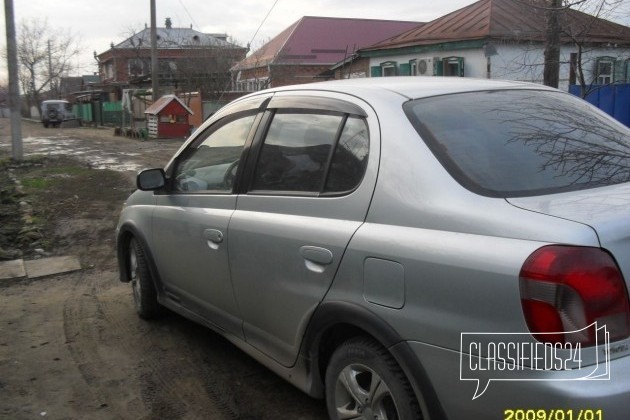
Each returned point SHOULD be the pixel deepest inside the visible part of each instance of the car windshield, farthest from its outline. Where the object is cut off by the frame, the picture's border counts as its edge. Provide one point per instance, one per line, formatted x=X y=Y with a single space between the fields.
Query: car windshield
x=59 y=106
x=514 y=143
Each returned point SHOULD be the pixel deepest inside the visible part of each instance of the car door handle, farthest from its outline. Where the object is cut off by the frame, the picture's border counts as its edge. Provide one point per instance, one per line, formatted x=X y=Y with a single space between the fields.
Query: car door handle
x=214 y=237
x=316 y=258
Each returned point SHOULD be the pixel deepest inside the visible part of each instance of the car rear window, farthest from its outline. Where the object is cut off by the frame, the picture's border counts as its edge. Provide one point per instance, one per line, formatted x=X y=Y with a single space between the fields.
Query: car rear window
x=515 y=143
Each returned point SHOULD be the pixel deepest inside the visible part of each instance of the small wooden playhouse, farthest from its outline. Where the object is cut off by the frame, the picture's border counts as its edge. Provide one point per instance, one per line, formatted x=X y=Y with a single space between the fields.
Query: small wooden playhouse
x=168 y=118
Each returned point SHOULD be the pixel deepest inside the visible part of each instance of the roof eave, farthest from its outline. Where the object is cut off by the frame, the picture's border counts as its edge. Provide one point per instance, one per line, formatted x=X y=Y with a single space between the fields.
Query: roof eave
x=424 y=45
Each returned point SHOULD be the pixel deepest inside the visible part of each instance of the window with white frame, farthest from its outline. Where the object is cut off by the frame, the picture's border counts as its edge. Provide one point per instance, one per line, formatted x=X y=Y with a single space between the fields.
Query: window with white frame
x=453 y=66
x=413 y=67
x=389 y=68
x=251 y=85
x=109 y=70
x=604 y=70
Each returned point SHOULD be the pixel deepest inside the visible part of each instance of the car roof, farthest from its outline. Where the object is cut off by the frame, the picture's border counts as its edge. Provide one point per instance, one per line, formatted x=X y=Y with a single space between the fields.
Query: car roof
x=413 y=87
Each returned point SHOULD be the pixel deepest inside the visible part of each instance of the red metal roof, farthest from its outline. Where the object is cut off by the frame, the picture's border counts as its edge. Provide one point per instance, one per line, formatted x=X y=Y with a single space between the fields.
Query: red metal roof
x=323 y=40
x=163 y=102
x=505 y=19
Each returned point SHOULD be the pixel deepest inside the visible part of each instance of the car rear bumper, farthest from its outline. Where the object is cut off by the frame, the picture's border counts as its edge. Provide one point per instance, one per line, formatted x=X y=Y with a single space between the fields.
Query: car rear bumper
x=541 y=395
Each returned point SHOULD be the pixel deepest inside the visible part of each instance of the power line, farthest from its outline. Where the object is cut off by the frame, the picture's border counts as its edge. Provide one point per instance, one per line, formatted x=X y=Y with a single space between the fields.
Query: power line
x=189 y=15
x=252 y=40
x=255 y=33
x=263 y=21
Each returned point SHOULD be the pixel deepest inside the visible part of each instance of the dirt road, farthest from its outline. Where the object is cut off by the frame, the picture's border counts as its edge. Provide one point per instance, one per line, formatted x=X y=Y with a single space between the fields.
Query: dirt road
x=71 y=346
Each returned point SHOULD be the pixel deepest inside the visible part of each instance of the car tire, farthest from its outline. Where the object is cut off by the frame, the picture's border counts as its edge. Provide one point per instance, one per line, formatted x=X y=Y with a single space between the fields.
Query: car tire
x=364 y=381
x=144 y=293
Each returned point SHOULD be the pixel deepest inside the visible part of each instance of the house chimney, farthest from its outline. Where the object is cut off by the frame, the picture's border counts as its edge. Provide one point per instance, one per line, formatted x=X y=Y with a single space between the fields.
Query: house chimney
x=168 y=23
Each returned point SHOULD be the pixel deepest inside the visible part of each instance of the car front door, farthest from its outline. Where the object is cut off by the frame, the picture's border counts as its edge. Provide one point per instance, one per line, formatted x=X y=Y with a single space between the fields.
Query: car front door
x=190 y=222
x=307 y=195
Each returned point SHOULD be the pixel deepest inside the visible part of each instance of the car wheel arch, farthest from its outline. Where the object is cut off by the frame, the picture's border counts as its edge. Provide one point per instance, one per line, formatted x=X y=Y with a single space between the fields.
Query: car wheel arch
x=333 y=323
x=125 y=235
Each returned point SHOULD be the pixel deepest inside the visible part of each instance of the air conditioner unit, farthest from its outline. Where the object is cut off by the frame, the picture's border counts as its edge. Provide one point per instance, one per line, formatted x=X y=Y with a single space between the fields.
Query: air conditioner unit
x=425 y=66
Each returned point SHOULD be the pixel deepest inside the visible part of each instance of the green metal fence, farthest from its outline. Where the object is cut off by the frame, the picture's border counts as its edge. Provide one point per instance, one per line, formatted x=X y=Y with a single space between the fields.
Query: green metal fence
x=83 y=111
x=113 y=113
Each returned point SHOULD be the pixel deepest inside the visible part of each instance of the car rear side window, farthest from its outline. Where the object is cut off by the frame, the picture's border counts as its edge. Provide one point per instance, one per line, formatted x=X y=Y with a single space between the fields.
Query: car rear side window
x=350 y=158
x=514 y=143
x=312 y=152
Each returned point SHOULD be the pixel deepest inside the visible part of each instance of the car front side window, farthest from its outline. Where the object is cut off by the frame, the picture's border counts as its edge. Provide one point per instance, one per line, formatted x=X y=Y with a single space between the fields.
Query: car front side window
x=211 y=162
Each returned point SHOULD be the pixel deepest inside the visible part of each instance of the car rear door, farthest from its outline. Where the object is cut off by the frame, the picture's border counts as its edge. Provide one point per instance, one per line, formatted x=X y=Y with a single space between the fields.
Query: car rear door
x=315 y=169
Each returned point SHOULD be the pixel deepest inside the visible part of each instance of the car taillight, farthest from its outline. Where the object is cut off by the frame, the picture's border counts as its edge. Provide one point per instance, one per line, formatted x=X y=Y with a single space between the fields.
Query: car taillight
x=566 y=289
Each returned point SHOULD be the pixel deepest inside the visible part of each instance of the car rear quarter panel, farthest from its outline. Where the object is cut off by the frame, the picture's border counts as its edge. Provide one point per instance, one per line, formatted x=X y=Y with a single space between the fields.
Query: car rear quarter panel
x=460 y=253
x=547 y=391
x=606 y=209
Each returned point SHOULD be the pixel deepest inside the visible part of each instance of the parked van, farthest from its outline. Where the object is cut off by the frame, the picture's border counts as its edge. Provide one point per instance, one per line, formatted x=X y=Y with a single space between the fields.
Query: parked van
x=55 y=111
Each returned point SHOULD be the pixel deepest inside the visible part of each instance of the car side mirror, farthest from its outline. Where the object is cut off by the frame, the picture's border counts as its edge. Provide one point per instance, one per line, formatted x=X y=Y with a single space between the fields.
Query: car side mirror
x=151 y=179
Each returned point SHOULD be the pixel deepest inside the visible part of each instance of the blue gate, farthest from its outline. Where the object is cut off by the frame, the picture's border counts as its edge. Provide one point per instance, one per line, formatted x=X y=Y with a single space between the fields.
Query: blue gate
x=612 y=99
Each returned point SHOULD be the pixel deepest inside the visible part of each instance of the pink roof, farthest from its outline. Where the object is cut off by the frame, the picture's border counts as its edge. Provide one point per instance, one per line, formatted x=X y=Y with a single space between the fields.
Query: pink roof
x=323 y=40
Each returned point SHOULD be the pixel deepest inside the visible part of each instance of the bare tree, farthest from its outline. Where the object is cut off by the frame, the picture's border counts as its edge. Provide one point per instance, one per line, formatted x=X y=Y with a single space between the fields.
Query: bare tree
x=581 y=147
x=257 y=74
x=582 y=29
x=45 y=55
x=205 y=68
x=572 y=33
x=551 y=72
x=194 y=63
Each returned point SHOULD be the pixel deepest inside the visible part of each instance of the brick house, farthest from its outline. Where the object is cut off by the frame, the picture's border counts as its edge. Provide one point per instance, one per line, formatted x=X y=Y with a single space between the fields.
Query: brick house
x=305 y=51
x=188 y=60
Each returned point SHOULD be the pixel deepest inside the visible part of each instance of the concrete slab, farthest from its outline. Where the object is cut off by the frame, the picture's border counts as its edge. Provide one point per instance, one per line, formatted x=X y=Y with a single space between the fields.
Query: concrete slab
x=49 y=266
x=12 y=269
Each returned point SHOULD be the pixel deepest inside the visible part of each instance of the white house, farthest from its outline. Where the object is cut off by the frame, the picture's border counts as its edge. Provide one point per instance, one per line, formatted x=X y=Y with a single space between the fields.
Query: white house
x=504 y=39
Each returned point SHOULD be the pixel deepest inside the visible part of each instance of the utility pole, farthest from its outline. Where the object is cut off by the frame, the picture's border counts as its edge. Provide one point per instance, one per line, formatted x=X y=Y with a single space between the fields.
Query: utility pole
x=52 y=84
x=14 y=87
x=551 y=72
x=155 y=86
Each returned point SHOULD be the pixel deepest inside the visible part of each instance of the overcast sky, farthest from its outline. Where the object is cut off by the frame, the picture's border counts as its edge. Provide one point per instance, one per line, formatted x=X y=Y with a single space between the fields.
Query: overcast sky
x=98 y=23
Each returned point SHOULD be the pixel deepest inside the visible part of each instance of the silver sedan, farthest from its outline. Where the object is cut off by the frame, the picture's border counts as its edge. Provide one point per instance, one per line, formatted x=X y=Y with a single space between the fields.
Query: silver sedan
x=406 y=248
